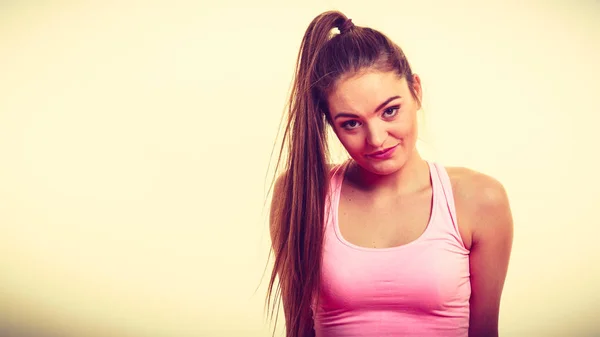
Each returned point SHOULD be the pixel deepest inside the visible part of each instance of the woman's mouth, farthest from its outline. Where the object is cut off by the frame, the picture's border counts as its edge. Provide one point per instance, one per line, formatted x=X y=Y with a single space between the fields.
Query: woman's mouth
x=383 y=154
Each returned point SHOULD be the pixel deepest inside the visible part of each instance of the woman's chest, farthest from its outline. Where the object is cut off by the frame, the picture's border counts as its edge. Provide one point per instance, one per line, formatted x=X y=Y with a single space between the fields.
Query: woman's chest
x=396 y=222
x=423 y=277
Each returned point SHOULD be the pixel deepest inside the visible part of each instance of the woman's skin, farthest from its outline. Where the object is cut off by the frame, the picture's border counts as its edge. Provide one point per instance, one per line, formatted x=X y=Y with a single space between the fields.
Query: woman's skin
x=373 y=111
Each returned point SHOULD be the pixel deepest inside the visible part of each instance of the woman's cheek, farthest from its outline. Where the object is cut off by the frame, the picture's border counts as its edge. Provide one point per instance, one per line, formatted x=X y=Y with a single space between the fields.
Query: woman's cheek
x=353 y=142
x=402 y=129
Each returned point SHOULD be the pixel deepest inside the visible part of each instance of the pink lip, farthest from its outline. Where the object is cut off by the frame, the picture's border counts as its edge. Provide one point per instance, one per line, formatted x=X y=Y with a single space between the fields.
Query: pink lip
x=385 y=154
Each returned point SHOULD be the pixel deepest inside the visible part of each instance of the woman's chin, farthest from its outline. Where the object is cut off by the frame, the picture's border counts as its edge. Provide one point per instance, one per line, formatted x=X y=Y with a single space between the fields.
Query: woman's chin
x=382 y=167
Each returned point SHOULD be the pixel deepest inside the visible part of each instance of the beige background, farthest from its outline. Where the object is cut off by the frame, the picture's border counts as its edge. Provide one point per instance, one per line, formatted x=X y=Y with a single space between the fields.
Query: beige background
x=135 y=138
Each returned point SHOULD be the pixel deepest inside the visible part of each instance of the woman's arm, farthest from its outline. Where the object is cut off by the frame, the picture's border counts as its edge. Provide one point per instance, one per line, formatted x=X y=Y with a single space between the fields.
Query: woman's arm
x=276 y=199
x=492 y=236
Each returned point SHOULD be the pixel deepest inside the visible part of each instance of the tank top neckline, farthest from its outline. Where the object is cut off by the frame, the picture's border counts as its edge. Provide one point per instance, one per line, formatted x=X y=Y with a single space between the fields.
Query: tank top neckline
x=337 y=188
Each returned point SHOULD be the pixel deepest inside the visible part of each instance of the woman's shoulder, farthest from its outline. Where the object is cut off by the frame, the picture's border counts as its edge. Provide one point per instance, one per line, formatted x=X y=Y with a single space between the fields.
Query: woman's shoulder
x=480 y=199
x=278 y=190
x=474 y=186
x=278 y=185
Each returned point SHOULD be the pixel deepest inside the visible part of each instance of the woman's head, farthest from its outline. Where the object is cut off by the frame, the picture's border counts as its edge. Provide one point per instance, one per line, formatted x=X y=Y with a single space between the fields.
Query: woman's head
x=361 y=84
x=364 y=87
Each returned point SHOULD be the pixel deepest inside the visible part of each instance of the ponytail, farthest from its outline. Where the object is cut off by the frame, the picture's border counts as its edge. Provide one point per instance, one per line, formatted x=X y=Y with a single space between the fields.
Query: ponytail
x=298 y=220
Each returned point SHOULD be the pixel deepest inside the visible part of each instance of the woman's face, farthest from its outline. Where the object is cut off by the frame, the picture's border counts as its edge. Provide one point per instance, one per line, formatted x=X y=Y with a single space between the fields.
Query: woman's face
x=374 y=115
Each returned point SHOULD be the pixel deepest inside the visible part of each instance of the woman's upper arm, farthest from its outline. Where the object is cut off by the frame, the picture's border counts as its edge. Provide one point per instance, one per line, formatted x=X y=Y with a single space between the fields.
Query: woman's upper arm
x=492 y=236
x=276 y=203
x=277 y=199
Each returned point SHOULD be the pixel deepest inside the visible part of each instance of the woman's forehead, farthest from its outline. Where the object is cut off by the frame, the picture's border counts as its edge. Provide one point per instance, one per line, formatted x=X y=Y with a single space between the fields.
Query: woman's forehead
x=365 y=91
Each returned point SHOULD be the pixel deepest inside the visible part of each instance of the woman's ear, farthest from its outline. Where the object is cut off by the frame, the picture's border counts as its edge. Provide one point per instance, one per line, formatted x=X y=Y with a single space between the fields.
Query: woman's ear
x=417 y=88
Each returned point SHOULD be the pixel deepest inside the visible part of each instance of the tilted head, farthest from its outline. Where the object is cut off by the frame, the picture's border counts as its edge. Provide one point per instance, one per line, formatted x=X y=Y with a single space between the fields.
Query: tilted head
x=364 y=87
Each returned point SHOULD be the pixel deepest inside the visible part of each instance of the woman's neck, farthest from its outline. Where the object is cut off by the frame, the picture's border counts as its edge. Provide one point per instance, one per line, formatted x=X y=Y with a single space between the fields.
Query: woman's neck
x=413 y=176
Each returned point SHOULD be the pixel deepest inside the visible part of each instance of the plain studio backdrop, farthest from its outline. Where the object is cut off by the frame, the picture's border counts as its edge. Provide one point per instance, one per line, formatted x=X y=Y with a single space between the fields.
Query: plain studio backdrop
x=135 y=140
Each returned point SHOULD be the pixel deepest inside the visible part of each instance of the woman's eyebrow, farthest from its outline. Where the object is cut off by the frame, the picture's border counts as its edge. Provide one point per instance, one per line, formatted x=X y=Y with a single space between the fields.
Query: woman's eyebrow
x=381 y=106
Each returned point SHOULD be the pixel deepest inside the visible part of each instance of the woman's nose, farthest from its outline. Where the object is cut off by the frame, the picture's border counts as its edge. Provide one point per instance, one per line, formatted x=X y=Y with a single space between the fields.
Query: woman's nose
x=376 y=136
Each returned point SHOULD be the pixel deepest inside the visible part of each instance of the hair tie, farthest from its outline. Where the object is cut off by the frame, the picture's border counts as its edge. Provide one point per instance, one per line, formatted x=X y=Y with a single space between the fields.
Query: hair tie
x=346 y=26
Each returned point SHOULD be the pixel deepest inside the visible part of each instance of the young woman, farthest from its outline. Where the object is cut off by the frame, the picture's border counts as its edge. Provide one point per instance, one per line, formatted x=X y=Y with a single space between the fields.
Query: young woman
x=387 y=243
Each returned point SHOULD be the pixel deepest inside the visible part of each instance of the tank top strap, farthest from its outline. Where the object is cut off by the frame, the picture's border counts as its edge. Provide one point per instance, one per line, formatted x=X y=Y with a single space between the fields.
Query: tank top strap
x=336 y=178
x=445 y=192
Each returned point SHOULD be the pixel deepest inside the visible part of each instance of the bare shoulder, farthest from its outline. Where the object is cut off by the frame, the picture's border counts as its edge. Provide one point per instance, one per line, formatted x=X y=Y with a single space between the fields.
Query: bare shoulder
x=481 y=201
x=476 y=187
x=280 y=180
x=277 y=199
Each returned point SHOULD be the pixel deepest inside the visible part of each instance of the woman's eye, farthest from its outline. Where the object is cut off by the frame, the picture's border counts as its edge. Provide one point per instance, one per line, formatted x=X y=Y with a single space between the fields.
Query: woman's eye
x=350 y=125
x=391 y=111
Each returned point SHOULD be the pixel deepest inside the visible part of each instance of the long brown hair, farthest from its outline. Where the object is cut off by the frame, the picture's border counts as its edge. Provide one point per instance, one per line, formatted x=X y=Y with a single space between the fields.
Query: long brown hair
x=298 y=212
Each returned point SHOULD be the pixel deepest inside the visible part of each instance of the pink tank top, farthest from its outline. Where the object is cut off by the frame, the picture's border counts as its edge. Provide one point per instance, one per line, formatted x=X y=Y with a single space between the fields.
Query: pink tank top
x=418 y=289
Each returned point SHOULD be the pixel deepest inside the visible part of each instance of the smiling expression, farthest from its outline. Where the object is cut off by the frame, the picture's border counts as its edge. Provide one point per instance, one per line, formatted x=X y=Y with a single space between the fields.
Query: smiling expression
x=374 y=115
